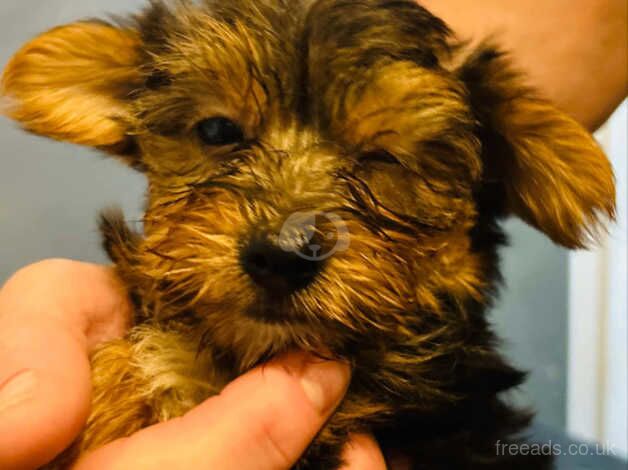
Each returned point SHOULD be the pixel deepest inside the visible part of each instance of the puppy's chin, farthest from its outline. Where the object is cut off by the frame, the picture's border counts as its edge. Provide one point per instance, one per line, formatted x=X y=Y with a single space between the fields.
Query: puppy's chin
x=251 y=337
x=276 y=308
x=270 y=316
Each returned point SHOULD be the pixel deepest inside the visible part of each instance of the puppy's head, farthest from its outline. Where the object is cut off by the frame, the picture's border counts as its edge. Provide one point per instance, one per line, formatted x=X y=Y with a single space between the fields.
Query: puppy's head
x=318 y=174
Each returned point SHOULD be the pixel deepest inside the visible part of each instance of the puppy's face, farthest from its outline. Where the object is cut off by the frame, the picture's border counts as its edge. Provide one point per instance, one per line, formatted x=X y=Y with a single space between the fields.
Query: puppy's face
x=318 y=174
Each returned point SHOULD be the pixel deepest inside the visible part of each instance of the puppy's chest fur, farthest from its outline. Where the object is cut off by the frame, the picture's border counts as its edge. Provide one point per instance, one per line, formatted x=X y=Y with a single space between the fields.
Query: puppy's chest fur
x=165 y=369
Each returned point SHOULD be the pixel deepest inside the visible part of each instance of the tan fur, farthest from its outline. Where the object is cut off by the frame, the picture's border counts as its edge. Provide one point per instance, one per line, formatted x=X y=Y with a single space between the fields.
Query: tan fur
x=569 y=174
x=68 y=83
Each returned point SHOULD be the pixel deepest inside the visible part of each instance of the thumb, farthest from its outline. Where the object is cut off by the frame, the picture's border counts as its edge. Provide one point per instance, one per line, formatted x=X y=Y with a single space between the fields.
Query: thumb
x=263 y=420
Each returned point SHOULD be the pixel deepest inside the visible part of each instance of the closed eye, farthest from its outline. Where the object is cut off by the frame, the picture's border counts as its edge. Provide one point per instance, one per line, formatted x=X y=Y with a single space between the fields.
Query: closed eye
x=377 y=156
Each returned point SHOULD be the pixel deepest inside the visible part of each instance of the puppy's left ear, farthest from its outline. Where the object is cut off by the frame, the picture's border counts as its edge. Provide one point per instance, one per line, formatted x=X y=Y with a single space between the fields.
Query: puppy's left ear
x=552 y=173
x=73 y=83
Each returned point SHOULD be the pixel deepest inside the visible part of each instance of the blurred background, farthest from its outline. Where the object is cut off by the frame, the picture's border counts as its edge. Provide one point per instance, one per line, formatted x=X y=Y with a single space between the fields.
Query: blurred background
x=562 y=315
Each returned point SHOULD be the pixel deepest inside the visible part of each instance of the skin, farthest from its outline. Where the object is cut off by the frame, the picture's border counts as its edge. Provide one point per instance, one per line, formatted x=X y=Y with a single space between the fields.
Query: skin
x=572 y=51
x=54 y=313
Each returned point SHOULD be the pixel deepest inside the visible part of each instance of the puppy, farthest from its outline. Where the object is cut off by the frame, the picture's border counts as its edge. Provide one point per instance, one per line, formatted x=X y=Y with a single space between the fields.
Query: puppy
x=324 y=175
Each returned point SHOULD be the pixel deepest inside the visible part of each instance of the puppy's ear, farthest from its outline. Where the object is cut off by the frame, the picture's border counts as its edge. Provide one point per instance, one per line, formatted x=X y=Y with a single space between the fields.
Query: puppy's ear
x=552 y=173
x=73 y=84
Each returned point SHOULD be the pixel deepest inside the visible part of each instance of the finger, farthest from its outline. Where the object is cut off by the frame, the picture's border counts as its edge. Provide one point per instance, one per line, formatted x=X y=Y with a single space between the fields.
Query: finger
x=51 y=314
x=263 y=420
x=363 y=453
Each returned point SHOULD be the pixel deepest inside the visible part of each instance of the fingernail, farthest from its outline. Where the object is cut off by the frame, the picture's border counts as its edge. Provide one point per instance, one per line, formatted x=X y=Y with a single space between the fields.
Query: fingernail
x=17 y=389
x=324 y=383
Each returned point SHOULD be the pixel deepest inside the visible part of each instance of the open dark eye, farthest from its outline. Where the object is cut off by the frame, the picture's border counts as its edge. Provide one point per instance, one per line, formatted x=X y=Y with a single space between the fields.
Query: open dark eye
x=219 y=131
x=377 y=156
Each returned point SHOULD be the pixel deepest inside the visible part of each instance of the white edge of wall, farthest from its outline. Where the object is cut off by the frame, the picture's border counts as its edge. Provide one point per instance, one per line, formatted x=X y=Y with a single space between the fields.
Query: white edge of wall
x=597 y=369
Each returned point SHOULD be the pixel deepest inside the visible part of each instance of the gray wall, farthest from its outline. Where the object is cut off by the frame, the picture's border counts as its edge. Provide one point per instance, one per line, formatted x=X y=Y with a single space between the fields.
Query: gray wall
x=50 y=194
x=531 y=317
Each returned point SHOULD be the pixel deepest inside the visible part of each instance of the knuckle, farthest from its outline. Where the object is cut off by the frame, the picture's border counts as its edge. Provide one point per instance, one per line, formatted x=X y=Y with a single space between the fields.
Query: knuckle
x=35 y=271
x=273 y=446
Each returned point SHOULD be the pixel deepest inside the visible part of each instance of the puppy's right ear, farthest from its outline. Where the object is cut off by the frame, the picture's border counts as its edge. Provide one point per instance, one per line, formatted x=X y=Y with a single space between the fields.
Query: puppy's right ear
x=73 y=83
x=552 y=173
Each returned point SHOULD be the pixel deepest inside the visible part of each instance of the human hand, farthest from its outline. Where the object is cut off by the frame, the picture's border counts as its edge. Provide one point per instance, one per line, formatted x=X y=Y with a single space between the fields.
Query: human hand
x=54 y=313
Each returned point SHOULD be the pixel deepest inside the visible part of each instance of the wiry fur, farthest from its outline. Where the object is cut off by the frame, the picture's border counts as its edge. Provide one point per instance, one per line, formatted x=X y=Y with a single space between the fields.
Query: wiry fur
x=349 y=108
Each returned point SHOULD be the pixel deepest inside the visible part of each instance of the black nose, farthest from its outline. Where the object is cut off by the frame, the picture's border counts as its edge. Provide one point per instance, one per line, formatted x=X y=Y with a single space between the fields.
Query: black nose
x=278 y=269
